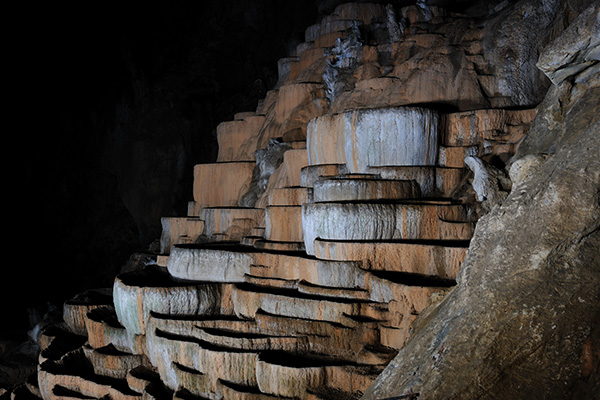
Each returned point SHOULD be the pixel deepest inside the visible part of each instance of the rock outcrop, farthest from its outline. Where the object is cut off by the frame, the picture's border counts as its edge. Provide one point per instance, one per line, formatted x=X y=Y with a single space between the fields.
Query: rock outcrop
x=342 y=224
x=522 y=321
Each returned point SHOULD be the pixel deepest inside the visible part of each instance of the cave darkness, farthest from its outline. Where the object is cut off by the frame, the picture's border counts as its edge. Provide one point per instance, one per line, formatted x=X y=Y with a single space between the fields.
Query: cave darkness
x=116 y=103
x=112 y=105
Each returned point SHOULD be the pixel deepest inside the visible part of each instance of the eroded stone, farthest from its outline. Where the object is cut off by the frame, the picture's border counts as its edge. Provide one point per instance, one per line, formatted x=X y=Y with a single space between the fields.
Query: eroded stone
x=221 y=184
x=374 y=137
x=377 y=222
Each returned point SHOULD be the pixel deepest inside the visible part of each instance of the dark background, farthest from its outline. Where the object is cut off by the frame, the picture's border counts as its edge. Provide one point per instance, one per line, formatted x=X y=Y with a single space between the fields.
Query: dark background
x=110 y=106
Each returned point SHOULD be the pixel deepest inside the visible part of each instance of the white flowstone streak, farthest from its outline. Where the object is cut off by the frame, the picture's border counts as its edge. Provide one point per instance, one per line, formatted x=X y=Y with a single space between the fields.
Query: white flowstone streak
x=379 y=221
x=208 y=265
x=134 y=302
x=347 y=222
x=398 y=136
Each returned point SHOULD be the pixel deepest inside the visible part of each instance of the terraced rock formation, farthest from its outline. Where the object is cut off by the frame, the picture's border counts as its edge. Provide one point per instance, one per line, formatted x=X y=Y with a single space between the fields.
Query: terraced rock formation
x=335 y=214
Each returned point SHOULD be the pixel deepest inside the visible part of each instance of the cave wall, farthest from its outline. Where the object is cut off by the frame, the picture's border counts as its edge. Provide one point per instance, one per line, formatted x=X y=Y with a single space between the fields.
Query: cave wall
x=121 y=100
x=128 y=161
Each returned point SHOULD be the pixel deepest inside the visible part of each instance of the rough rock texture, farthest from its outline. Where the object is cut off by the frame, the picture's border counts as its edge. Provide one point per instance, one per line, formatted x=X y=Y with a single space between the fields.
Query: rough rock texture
x=343 y=224
x=374 y=138
x=523 y=320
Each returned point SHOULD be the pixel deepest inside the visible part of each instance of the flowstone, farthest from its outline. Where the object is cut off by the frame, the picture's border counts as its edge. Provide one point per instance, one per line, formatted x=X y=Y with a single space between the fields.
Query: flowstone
x=340 y=214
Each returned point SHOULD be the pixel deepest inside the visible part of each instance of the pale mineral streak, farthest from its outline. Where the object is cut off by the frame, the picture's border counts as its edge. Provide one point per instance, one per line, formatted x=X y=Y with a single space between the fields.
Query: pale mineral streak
x=320 y=255
x=373 y=138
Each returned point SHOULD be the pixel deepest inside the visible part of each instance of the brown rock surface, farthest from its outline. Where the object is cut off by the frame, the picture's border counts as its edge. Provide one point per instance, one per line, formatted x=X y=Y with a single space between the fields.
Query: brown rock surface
x=526 y=304
x=229 y=181
x=321 y=253
x=179 y=230
x=238 y=139
x=439 y=260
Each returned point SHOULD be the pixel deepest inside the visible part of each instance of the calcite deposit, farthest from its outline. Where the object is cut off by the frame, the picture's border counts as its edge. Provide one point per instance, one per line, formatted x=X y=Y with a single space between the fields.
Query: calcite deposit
x=338 y=213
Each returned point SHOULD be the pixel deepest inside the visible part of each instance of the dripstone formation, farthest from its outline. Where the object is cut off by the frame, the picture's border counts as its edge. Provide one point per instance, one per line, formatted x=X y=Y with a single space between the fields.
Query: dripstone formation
x=332 y=231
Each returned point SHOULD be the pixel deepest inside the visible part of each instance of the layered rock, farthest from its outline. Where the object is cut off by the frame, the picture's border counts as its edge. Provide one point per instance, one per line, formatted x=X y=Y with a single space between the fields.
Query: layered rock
x=535 y=253
x=336 y=214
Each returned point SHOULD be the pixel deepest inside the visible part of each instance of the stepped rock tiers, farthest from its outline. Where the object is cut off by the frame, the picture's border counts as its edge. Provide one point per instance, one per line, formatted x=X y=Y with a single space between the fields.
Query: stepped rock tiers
x=337 y=217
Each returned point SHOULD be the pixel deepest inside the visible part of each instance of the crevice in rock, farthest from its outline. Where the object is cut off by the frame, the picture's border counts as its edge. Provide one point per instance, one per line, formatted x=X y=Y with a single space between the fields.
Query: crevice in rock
x=414 y=279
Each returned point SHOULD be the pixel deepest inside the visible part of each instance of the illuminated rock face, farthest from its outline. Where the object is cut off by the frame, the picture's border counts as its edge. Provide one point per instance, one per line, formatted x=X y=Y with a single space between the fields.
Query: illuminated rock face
x=375 y=138
x=298 y=273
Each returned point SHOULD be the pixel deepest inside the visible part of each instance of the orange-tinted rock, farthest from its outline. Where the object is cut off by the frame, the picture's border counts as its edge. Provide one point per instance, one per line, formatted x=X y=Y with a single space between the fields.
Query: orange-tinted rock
x=328 y=39
x=110 y=362
x=325 y=140
x=432 y=181
x=346 y=188
x=324 y=337
x=179 y=230
x=310 y=174
x=173 y=351
x=75 y=310
x=289 y=196
x=221 y=184
x=295 y=105
x=437 y=75
x=473 y=127
x=353 y=379
x=427 y=259
x=232 y=391
x=238 y=139
x=379 y=222
x=72 y=377
x=230 y=224
x=137 y=294
x=374 y=137
x=283 y=223
x=357 y=11
x=421 y=13
x=287 y=175
x=328 y=25
x=294 y=378
x=454 y=157
x=248 y=301
x=104 y=329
